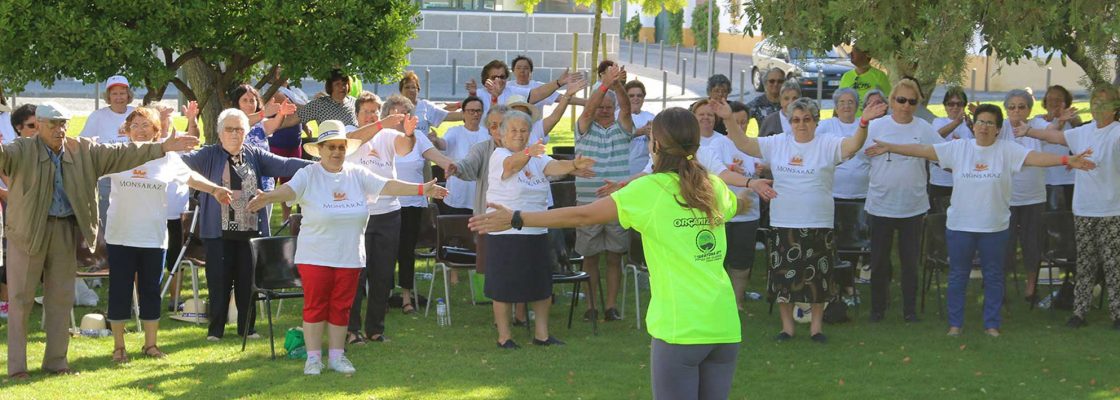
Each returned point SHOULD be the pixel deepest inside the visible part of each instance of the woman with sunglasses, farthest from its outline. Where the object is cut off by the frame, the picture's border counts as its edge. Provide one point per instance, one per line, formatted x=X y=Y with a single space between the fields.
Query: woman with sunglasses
x=955 y=126
x=329 y=250
x=897 y=200
x=979 y=214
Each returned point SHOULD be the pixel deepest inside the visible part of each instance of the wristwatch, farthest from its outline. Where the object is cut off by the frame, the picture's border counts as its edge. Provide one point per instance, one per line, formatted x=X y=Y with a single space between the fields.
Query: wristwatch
x=516 y=221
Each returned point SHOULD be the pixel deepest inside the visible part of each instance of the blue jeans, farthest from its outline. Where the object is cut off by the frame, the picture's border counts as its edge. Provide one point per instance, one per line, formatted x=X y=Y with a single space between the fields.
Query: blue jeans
x=993 y=256
x=145 y=266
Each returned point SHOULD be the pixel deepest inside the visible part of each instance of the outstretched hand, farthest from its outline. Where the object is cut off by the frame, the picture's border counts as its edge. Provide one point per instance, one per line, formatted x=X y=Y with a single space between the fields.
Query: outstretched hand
x=257 y=202
x=493 y=221
x=764 y=188
x=875 y=111
x=1082 y=161
x=179 y=143
x=223 y=195
x=190 y=111
x=879 y=148
x=609 y=187
x=431 y=189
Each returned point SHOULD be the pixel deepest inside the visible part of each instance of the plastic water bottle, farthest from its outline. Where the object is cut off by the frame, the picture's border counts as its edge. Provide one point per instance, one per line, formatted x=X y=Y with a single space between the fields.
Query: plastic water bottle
x=441 y=313
x=754 y=295
x=532 y=315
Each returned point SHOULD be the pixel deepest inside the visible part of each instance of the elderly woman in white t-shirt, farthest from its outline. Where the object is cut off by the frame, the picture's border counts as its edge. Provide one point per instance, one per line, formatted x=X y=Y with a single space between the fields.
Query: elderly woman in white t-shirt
x=329 y=250
x=136 y=231
x=1057 y=101
x=1096 y=200
x=979 y=212
x=515 y=270
x=803 y=164
x=956 y=125
x=1028 y=191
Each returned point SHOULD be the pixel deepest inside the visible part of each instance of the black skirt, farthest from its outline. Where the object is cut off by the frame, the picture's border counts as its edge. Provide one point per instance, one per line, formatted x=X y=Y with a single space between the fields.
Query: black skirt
x=517 y=269
x=801 y=261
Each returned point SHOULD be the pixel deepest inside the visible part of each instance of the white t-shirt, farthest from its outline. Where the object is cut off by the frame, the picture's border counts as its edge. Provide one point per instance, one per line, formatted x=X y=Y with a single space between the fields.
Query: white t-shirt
x=1028 y=185
x=7 y=131
x=982 y=195
x=527 y=190
x=138 y=202
x=1096 y=193
x=429 y=115
x=639 y=144
x=803 y=176
x=334 y=214
x=378 y=155
x=459 y=141
x=537 y=133
x=1058 y=175
x=747 y=163
x=852 y=176
x=640 y=118
x=107 y=126
x=939 y=176
x=705 y=156
x=410 y=168
x=524 y=90
x=898 y=187
x=484 y=95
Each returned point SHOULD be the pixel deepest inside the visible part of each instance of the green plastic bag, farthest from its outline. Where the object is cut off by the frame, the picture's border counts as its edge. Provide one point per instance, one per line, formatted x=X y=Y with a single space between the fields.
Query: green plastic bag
x=478 y=282
x=295 y=345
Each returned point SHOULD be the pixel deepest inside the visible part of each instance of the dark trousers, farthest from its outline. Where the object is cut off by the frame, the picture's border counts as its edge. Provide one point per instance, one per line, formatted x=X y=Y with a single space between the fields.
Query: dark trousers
x=1026 y=231
x=229 y=265
x=143 y=264
x=406 y=252
x=882 y=240
x=376 y=279
x=174 y=242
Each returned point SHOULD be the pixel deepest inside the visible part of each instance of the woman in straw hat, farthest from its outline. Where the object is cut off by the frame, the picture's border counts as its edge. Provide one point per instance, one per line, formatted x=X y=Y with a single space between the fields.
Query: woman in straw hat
x=136 y=230
x=330 y=251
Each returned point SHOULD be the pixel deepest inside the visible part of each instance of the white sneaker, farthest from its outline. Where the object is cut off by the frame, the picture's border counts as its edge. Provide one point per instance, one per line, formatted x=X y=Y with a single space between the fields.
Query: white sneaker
x=254 y=336
x=759 y=246
x=213 y=338
x=313 y=367
x=341 y=364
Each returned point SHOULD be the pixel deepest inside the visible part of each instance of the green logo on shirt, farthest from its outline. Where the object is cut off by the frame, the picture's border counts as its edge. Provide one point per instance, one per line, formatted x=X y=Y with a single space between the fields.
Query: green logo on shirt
x=706 y=241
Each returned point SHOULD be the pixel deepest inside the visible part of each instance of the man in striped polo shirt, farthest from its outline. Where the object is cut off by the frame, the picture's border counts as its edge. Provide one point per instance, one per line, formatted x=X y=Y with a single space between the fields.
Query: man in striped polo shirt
x=605 y=139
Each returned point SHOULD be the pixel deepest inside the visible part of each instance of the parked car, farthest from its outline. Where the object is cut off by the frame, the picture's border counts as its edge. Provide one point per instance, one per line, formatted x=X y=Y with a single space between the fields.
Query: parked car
x=808 y=67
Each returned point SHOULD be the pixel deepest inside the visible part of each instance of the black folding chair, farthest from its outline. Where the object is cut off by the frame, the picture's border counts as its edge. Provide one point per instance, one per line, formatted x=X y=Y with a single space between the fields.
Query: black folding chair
x=935 y=257
x=1059 y=248
x=569 y=259
x=853 y=239
x=275 y=276
x=635 y=264
x=455 y=249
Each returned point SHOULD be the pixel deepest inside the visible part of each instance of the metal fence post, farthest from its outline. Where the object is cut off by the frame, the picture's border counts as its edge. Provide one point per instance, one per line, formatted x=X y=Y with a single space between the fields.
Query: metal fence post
x=631 y=52
x=454 y=75
x=427 y=81
x=695 y=60
x=661 y=46
x=96 y=95
x=731 y=66
x=742 y=85
x=645 y=54
x=678 y=57
x=684 y=66
x=973 y=87
x=664 y=88
x=1049 y=70
x=820 y=84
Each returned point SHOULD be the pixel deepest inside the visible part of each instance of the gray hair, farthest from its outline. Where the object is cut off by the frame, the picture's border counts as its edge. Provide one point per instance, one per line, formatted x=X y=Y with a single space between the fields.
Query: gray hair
x=497 y=109
x=790 y=84
x=873 y=92
x=1020 y=93
x=394 y=101
x=233 y=113
x=804 y=104
x=774 y=70
x=718 y=80
x=845 y=91
x=515 y=115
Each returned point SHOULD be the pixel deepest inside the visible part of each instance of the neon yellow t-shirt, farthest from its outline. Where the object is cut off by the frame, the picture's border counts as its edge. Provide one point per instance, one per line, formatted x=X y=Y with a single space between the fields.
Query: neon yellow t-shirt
x=691 y=299
x=872 y=79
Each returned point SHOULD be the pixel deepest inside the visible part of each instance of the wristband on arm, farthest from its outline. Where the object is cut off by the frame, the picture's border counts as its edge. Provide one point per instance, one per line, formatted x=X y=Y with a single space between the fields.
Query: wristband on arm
x=1065 y=160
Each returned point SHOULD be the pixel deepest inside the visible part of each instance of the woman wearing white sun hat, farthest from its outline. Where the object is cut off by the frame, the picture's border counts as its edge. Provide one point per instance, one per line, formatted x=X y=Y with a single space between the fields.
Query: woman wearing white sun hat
x=329 y=250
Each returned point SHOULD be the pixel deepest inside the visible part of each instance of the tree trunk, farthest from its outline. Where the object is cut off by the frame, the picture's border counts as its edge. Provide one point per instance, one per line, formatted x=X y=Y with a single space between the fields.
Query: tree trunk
x=202 y=81
x=1093 y=72
x=595 y=40
x=154 y=94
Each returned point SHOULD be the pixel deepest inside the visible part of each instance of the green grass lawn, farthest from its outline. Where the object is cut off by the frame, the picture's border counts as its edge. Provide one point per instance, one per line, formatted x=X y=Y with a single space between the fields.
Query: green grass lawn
x=1036 y=358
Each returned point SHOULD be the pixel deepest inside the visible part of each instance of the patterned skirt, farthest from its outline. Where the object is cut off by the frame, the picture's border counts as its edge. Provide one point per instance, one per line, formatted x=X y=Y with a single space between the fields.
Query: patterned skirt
x=801 y=261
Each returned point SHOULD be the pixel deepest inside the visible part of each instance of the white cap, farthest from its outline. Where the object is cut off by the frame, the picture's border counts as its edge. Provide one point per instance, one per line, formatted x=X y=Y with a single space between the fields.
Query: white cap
x=52 y=111
x=116 y=80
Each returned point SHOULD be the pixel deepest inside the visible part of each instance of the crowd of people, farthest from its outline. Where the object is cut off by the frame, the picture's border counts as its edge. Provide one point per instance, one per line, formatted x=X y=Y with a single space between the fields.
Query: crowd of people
x=691 y=182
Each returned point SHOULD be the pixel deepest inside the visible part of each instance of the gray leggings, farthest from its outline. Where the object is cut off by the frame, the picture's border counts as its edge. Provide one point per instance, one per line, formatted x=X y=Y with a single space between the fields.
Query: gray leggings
x=696 y=371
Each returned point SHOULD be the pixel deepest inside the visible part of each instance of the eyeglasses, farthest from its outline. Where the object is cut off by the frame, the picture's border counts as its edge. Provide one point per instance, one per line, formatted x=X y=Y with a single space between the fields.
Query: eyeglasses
x=846 y=103
x=233 y=131
x=954 y=104
x=502 y=77
x=797 y=121
x=981 y=122
x=473 y=110
x=1017 y=107
x=334 y=147
x=138 y=126
x=903 y=100
x=774 y=81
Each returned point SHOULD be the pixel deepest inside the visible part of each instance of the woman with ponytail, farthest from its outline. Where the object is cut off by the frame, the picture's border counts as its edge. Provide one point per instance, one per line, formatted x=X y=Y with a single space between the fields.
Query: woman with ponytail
x=680 y=210
x=802 y=253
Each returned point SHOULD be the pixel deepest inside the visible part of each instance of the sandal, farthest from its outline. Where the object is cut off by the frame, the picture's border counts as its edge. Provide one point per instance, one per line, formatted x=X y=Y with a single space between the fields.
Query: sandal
x=380 y=338
x=120 y=356
x=19 y=376
x=157 y=353
x=408 y=308
x=355 y=338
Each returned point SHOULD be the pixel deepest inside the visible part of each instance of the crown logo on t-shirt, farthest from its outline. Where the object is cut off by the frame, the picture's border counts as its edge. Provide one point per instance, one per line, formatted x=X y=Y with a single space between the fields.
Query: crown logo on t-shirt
x=796 y=161
x=981 y=167
x=528 y=174
x=373 y=153
x=339 y=196
x=139 y=173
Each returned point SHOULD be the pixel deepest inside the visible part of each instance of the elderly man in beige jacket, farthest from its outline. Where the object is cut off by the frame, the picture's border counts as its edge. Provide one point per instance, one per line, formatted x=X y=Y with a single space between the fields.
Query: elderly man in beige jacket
x=53 y=187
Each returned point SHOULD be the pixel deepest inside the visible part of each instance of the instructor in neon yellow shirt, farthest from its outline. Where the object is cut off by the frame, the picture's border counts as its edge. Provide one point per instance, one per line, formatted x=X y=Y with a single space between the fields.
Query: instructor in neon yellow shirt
x=680 y=211
x=864 y=77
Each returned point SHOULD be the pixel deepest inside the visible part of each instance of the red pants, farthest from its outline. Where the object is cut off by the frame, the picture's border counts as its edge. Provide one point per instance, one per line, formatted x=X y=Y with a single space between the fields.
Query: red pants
x=328 y=293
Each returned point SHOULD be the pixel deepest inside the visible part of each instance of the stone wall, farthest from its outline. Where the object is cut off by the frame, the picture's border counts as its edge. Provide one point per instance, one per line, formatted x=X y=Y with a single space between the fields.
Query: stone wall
x=472 y=39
